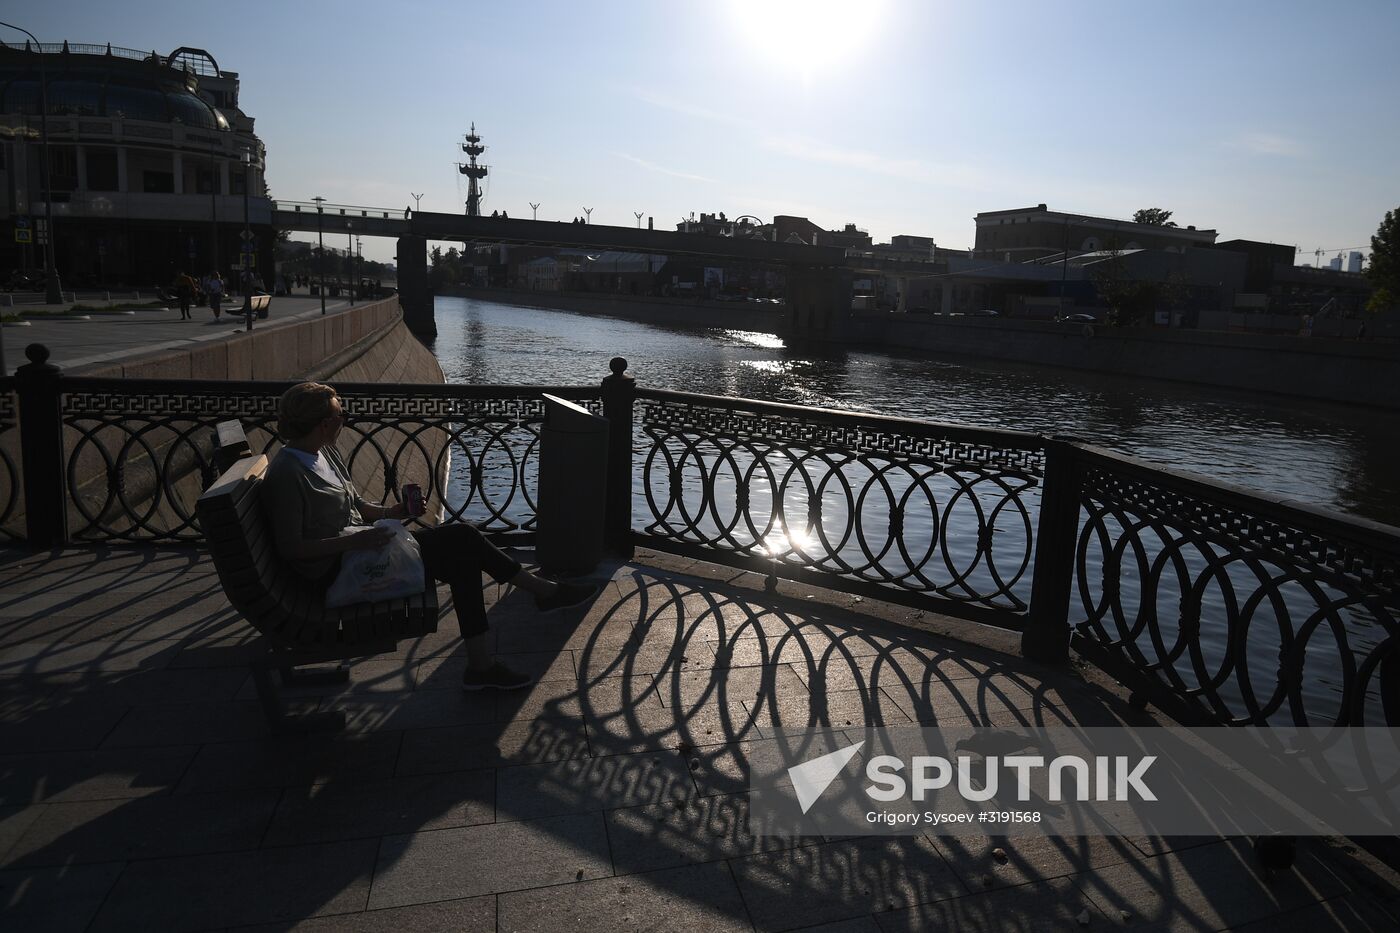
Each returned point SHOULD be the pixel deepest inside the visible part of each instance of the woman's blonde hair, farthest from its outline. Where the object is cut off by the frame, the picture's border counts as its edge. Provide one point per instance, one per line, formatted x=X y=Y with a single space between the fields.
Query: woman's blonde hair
x=302 y=407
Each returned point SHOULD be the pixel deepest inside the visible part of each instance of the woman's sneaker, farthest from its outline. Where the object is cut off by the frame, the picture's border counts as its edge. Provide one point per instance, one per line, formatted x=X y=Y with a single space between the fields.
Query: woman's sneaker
x=566 y=596
x=495 y=677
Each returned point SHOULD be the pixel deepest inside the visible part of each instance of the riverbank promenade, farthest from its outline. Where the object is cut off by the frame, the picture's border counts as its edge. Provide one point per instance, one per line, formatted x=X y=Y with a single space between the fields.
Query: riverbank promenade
x=105 y=338
x=140 y=788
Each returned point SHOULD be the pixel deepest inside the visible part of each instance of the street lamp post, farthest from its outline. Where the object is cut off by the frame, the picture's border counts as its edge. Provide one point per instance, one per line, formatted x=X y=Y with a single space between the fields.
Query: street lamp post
x=638 y=215
x=534 y=210
x=417 y=201
x=321 y=250
x=247 y=253
x=53 y=288
x=588 y=213
x=350 y=259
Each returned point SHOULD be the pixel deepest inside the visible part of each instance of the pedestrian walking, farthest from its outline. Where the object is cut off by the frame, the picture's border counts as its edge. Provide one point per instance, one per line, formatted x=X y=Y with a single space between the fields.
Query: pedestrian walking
x=184 y=293
x=215 y=290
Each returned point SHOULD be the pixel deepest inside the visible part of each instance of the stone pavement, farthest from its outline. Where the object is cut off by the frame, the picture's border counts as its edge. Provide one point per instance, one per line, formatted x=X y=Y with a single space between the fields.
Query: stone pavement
x=141 y=790
x=108 y=337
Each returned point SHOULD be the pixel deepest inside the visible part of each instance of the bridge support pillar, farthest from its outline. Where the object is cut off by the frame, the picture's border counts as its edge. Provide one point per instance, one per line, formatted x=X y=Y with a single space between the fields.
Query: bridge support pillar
x=414 y=296
x=818 y=302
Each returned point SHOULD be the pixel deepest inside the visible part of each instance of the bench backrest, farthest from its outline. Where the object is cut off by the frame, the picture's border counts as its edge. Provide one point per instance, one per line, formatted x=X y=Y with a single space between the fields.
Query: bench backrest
x=277 y=600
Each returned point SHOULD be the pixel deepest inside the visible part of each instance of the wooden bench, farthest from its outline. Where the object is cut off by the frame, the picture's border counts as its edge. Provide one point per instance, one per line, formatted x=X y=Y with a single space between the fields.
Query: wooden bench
x=255 y=306
x=287 y=610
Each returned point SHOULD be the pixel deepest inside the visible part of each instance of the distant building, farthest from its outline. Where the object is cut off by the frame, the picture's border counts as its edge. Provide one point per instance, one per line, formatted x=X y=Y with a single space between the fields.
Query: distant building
x=1335 y=264
x=150 y=158
x=1029 y=234
x=1354 y=261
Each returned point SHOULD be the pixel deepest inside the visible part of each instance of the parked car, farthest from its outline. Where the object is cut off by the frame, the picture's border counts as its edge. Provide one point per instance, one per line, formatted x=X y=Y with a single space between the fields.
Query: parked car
x=1079 y=318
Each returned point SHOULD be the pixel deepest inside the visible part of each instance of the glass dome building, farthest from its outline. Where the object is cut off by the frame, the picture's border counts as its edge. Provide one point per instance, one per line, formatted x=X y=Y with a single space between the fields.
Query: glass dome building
x=150 y=159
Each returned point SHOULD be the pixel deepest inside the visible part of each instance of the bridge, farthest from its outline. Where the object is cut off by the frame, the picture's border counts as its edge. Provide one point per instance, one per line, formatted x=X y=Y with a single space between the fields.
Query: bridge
x=818 y=278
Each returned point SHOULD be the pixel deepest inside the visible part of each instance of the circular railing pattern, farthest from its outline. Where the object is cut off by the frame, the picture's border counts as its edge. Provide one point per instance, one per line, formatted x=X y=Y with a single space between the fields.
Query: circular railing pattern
x=948 y=519
x=136 y=461
x=9 y=469
x=1247 y=617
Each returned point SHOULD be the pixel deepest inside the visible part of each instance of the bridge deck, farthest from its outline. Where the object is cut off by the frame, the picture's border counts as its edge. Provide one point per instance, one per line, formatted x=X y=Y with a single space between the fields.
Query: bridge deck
x=139 y=789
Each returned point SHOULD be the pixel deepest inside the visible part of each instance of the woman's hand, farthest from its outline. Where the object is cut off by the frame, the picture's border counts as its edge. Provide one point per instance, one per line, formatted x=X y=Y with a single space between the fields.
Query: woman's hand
x=371 y=539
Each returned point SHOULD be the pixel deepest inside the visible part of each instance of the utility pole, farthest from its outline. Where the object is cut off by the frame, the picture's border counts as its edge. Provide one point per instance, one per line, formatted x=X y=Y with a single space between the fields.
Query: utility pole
x=534 y=210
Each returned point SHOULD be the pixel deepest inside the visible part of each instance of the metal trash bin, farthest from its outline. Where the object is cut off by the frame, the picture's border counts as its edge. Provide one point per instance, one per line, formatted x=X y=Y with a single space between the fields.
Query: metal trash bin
x=572 y=488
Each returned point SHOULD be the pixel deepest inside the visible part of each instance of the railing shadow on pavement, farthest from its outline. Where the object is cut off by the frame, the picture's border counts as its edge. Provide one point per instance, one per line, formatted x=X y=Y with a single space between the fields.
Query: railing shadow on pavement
x=629 y=756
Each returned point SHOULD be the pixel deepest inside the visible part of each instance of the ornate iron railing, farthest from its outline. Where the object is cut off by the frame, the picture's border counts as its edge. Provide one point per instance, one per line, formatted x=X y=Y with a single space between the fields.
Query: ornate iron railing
x=10 y=485
x=1212 y=602
x=138 y=452
x=1228 y=607
x=913 y=511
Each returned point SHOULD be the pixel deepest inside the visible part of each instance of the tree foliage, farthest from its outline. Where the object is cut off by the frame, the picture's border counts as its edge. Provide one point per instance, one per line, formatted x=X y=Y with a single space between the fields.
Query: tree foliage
x=1154 y=217
x=1384 y=268
x=1130 y=298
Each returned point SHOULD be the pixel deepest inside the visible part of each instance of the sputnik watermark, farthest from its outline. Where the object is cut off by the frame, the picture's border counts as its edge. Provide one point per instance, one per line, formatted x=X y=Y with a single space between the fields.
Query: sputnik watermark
x=1077 y=781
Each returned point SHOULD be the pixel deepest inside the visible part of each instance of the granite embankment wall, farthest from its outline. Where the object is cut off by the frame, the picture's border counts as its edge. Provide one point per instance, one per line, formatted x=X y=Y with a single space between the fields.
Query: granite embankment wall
x=1355 y=372
x=365 y=344
x=317 y=345
x=676 y=312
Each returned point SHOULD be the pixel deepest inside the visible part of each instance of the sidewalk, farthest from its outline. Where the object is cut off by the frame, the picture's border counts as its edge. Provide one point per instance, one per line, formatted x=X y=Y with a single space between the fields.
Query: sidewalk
x=140 y=789
x=107 y=337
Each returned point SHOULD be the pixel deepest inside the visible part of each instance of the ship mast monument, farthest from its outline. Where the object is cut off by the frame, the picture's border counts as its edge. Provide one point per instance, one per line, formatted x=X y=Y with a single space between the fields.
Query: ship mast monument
x=473 y=148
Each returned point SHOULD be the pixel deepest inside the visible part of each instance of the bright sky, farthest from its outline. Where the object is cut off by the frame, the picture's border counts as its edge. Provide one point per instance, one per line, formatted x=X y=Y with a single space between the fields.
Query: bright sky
x=1263 y=119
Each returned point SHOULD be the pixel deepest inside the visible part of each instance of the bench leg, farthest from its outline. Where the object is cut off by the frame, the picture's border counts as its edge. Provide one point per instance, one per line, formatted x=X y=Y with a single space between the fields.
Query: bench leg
x=275 y=710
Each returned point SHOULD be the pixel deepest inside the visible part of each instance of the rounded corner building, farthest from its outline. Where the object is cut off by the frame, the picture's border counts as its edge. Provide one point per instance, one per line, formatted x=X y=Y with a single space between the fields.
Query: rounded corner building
x=153 y=168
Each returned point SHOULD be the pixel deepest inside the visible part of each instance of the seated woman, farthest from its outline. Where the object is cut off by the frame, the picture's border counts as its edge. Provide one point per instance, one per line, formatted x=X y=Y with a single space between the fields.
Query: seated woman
x=310 y=501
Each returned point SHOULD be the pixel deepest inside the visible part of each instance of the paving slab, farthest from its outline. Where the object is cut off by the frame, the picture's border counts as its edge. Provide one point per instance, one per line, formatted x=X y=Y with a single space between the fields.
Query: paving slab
x=103 y=774
x=451 y=863
x=615 y=788
x=696 y=899
x=324 y=812
x=291 y=761
x=842 y=880
x=240 y=888
x=148 y=827
x=55 y=900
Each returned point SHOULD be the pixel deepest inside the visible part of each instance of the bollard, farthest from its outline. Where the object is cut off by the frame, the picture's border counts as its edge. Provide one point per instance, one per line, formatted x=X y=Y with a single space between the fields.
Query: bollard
x=619 y=393
x=38 y=386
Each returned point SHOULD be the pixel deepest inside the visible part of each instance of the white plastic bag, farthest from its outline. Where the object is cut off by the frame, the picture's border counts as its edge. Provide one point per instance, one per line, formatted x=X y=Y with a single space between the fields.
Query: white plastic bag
x=390 y=572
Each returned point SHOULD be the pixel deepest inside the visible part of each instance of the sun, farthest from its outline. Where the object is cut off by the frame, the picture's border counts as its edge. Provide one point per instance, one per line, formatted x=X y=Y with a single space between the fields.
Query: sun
x=809 y=38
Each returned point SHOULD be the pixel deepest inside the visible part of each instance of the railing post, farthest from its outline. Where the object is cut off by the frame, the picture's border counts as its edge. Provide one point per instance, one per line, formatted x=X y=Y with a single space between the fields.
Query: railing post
x=37 y=386
x=619 y=393
x=1047 y=633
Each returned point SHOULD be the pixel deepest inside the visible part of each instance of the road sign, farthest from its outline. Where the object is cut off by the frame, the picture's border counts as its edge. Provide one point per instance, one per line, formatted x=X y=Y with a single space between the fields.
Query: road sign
x=24 y=236
x=248 y=234
x=22 y=223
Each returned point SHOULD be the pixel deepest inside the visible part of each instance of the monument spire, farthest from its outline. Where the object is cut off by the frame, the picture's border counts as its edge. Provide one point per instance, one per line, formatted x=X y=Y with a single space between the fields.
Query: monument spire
x=474 y=172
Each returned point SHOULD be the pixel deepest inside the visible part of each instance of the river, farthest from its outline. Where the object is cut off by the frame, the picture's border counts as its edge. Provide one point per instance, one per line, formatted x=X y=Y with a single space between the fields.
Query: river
x=1316 y=453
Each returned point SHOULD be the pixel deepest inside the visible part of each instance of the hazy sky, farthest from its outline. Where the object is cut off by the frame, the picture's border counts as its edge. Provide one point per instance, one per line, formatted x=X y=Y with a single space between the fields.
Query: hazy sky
x=1263 y=119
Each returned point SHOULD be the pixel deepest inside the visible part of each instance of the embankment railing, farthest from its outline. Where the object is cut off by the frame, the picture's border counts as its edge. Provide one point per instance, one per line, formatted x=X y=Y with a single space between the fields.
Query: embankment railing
x=1215 y=603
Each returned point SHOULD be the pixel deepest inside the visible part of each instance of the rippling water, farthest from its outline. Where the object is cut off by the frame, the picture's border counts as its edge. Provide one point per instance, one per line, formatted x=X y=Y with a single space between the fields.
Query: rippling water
x=1321 y=454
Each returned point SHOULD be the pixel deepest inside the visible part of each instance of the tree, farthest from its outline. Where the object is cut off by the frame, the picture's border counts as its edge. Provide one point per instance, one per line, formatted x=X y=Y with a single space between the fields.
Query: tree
x=1130 y=298
x=1384 y=267
x=1154 y=217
